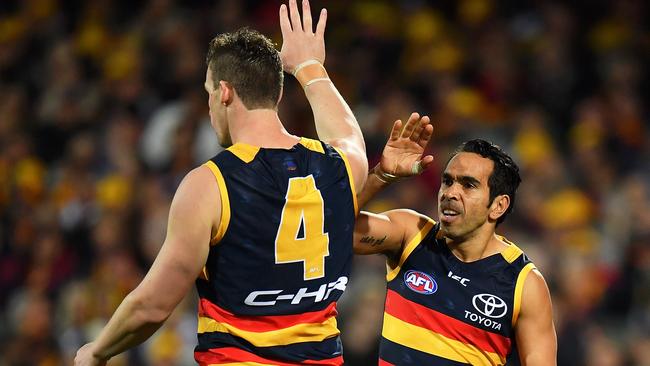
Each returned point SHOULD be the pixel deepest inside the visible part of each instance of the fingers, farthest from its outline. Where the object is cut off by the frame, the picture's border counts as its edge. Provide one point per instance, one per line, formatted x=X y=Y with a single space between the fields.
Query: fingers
x=412 y=122
x=426 y=135
x=295 y=15
x=416 y=168
x=422 y=165
x=285 y=24
x=426 y=162
x=306 y=17
x=397 y=128
x=422 y=123
x=322 y=21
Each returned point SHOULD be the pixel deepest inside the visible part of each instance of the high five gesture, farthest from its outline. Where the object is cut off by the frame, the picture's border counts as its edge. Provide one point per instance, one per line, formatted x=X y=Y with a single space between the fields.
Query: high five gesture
x=303 y=54
x=300 y=43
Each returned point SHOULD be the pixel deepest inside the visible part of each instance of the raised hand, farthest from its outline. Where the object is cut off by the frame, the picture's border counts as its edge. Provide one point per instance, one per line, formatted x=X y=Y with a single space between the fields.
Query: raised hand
x=403 y=153
x=299 y=42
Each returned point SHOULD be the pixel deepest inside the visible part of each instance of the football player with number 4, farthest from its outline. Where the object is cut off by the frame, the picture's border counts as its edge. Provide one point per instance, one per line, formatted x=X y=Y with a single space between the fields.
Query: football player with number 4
x=264 y=228
x=457 y=293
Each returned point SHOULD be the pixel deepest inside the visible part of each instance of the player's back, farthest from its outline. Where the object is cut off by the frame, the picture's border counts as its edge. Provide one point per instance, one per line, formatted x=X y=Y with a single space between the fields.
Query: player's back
x=280 y=258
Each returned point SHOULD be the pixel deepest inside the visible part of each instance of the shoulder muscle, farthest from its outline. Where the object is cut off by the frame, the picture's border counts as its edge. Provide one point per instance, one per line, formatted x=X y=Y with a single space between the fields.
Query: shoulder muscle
x=534 y=330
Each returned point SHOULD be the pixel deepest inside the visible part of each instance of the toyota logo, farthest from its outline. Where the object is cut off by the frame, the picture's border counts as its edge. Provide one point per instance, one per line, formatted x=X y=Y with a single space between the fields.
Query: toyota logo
x=490 y=305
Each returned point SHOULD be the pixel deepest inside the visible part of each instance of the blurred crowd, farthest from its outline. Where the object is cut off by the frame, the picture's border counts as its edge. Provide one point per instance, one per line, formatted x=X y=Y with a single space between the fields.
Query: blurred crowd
x=102 y=112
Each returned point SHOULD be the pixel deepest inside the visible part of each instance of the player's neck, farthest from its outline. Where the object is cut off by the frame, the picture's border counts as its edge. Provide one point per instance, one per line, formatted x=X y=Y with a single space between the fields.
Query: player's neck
x=261 y=127
x=482 y=245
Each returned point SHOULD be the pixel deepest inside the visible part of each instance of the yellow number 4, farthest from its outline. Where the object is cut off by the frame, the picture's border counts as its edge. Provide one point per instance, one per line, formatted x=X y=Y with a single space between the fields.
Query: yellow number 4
x=303 y=207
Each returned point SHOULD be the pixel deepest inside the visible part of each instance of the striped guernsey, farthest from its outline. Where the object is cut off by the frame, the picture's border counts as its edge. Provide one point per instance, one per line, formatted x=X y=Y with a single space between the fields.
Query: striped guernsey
x=442 y=311
x=280 y=258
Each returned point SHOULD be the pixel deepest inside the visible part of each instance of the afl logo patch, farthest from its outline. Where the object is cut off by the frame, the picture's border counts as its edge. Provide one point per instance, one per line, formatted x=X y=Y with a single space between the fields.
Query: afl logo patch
x=420 y=282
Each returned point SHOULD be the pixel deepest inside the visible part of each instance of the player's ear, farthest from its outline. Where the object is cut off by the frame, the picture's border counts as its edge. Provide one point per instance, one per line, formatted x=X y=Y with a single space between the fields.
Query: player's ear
x=499 y=206
x=227 y=92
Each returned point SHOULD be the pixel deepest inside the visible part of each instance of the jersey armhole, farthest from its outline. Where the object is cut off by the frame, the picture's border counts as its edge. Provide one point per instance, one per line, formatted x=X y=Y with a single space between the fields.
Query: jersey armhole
x=225 y=203
x=351 y=179
x=519 y=288
x=408 y=249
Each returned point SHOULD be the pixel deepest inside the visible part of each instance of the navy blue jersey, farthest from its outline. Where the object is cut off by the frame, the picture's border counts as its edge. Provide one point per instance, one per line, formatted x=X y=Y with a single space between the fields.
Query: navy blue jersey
x=280 y=258
x=442 y=311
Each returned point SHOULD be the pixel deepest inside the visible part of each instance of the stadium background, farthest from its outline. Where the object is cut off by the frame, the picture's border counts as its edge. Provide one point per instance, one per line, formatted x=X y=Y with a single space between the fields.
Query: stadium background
x=102 y=112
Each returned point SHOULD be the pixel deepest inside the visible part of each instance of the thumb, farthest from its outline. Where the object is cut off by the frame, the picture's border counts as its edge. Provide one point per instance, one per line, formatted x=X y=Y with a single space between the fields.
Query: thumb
x=426 y=162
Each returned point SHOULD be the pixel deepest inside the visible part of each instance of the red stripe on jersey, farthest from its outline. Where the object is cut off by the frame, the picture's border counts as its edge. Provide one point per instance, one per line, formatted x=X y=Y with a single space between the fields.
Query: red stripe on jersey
x=264 y=323
x=384 y=363
x=445 y=325
x=225 y=355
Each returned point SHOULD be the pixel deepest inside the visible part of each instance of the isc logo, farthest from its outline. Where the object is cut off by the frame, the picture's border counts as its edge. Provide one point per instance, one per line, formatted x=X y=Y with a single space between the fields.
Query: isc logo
x=420 y=282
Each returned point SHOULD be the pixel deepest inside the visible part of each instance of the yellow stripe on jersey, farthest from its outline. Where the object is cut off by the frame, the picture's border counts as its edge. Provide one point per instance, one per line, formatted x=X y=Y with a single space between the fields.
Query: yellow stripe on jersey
x=204 y=274
x=313 y=145
x=512 y=252
x=519 y=288
x=412 y=244
x=430 y=342
x=225 y=203
x=351 y=178
x=244 y=152
x=305 y=332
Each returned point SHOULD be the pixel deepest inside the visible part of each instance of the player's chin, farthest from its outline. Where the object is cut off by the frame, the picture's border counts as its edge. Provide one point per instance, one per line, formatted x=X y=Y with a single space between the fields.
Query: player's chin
x=450 y=230
x=444 y=230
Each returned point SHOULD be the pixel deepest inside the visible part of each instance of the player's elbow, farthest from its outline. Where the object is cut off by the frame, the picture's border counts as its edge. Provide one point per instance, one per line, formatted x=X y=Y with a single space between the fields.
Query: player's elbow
x=359 y=249
x=147 y=311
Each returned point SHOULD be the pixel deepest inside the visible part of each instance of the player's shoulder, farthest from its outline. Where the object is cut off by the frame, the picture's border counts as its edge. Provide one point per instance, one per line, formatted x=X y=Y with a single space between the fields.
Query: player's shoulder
x=322 y=147
x=535 y=293
x=235 y=155
x=536 y=281
x=514 y=255
x=198 y=179
x=198 y=193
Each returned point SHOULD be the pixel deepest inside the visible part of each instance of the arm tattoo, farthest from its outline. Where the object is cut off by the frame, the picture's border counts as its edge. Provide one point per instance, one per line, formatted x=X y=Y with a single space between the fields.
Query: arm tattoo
x=372 y=240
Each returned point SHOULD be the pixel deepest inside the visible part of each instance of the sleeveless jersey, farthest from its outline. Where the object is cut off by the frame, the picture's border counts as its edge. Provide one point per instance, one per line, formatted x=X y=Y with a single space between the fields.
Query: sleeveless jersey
x=442 y=311
x=280 y=258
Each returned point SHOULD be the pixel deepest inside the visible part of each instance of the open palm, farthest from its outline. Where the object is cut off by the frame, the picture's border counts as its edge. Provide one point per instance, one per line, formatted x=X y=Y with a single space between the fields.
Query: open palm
x=405 y=147
x=299 y=41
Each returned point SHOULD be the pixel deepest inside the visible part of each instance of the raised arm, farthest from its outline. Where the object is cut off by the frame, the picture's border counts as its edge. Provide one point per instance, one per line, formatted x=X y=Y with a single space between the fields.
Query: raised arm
x=534 y=330
x=303 y=54
x=402 y=156
x=194 y=210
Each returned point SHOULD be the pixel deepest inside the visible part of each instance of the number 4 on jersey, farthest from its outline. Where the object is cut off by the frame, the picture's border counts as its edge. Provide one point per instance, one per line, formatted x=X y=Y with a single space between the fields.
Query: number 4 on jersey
x=303 y=207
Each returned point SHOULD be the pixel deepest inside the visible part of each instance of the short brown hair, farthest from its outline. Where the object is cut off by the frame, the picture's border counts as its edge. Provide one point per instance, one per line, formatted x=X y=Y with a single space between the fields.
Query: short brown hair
x=250 y=63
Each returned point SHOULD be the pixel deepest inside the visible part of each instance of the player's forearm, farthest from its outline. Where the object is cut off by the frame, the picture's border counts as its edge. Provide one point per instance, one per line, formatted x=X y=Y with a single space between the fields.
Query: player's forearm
x=303 y=54
x=333 y=117
x=131 y=324
x=373 y=186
